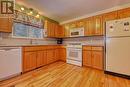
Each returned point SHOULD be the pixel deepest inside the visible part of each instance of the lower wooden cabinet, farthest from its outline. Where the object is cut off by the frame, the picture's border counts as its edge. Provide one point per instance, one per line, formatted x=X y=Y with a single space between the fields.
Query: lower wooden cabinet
x=62 y=54
x=50 y=56
x=97 y=59
x=41 y=58
x=87 y=58
x=35 y=57
x=29 y=60
x=93 y=57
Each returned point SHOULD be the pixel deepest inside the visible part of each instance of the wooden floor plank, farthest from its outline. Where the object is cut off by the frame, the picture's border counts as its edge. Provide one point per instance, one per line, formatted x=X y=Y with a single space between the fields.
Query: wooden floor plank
x=60 y=74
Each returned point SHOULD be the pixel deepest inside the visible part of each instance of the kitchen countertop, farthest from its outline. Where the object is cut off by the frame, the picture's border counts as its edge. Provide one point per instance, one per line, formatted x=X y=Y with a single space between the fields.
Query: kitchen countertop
x=44 y=45
x=94 y=45
x=28 y=45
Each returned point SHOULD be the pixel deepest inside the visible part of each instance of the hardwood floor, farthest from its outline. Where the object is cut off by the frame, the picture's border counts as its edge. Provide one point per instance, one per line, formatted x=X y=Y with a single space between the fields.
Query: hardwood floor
x=60 y=74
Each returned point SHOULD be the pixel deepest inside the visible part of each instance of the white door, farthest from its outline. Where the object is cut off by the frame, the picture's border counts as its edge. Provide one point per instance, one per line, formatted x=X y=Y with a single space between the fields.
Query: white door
x=118 y=28
x=118 y=55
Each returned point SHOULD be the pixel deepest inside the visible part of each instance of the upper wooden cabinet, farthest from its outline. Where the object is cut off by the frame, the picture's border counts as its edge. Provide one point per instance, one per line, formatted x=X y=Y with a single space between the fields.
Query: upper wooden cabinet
x=53 y=30
x=6 y=24
x=59 y=32
x=49 y=27
x=124 y=13
x=66 y=29
x=98 y=25
x=80 y=23
x=110 y=16
x=89 y=26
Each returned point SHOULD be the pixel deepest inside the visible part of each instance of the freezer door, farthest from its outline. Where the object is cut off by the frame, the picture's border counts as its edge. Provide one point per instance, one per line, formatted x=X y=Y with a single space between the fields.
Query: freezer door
x=118 y=55
x=118 y=28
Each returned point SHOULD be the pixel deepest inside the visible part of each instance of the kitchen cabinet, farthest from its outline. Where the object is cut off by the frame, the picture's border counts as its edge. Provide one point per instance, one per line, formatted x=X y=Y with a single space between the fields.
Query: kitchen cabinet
x=62 y=54
x=38 y=56
x=53 y=30
x=89 y=26
x=49 y=27
x=41 y=58
x=50 y=56
x=80 y=23
x=97 y=57
x=59 y=32
x=6 y=25
x=93 y=57
x=98 y=25
x=109 y=16
x=124 y=13
x=29 y=60
x=87 y=56
x=66 y=29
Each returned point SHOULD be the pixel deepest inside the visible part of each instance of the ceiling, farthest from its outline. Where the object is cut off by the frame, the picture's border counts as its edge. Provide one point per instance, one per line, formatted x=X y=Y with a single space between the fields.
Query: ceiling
x=63 y=10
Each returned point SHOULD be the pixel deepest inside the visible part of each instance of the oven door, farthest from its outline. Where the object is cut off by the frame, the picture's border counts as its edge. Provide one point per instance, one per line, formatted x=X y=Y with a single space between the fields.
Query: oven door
x=74 y=54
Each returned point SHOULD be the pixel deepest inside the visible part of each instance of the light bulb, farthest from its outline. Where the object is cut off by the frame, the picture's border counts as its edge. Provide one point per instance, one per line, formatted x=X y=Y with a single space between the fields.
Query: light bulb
x=22 y=8
x=37 y=16
x=31 y=12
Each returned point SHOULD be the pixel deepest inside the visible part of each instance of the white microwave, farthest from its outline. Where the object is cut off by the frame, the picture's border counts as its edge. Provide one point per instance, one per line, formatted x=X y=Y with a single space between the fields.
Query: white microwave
x=77 y=32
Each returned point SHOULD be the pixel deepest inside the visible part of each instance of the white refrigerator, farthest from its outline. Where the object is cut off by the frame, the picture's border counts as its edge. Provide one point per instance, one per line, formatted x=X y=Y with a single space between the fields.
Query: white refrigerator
x=118 y=46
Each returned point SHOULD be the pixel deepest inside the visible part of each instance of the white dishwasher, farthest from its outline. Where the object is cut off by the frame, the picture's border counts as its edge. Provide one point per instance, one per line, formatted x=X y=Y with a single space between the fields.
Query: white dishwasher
x=10 y=62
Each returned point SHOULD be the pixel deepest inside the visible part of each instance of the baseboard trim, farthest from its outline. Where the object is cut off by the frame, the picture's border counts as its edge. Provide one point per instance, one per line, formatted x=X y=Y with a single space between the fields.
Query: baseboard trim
x=117 y=74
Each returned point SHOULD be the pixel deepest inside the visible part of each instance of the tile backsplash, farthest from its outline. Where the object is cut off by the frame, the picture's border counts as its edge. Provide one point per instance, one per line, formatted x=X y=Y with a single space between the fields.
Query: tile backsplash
x=6 y=39
x=99 y=40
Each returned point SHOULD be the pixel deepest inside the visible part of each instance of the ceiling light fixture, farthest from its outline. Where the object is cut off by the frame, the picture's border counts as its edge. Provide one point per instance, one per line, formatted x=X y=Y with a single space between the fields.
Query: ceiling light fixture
x=22 y=8
x=37 y=16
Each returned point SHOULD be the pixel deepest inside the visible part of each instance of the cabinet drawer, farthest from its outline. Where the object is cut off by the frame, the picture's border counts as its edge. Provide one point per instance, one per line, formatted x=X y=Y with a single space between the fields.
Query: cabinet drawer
x=87 y=48
x=32 y=48
x=97 y=48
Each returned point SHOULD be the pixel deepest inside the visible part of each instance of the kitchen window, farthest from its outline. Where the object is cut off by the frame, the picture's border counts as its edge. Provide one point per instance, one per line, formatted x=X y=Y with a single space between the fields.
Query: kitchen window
x=26 y=31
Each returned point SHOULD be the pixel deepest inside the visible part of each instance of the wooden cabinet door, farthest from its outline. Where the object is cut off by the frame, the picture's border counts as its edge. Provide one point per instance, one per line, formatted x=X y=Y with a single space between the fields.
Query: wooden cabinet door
x=97 y=59
x=6 y=25
x=107 y=17
x=57 y=55
x=89 y=26
x=62 y=54
x=124 y=13
x=61 y=32
x=29 y=61
x=41 y=58
x=66 y=29
x=110 y=16
x=98 y=25
x=87 y=58
x=50 y=55
x=80 y=23
x=49 y=26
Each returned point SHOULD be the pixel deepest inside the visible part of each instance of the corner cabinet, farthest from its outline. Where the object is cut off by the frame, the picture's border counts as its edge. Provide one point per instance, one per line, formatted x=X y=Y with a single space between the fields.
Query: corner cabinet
x=53 y=30
x=93 y=57
x=6 y=25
